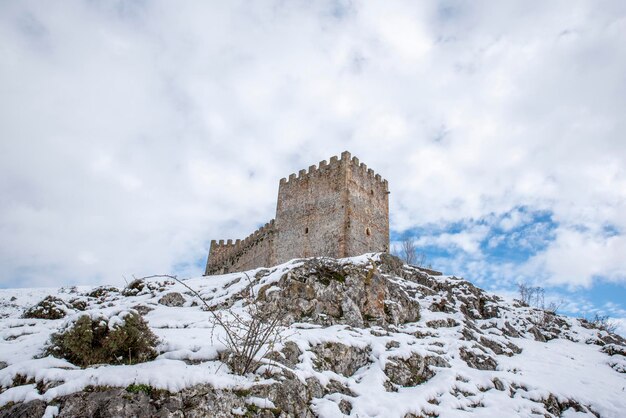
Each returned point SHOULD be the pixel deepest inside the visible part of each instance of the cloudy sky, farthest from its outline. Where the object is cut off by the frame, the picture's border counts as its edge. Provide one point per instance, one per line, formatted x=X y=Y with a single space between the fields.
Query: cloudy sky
x=132 y=133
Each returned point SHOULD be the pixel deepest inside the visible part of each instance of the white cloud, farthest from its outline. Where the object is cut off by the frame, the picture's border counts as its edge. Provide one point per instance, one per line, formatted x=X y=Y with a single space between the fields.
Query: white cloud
x=514 y=219
x=576 y=257
x=133 y=133
x=467 y=241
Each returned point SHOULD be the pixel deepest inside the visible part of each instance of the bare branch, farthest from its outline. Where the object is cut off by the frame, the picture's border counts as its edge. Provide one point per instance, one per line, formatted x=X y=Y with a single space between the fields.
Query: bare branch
x=250 y=337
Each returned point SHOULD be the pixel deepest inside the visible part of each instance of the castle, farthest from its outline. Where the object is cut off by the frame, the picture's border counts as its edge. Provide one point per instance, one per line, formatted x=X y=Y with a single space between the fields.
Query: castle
x=337 y=209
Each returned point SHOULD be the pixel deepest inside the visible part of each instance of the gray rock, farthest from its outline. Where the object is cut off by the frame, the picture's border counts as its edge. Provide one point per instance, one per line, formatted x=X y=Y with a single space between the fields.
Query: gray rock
x=477 y=361
x=314 y=387
x=351 y=312
x=198 y=401
x=337 y=387
x=106 y=404
x=327 y=292
x=292 y=353
x=497 y=347
x=413 y=370
x=289 y=355
x=340 y=358
x=539 y=336
x=610 y=349
x=442 y=323
x=345 y=406
x=204 y=400
x=509 y=331
x=24 y=410
x=290 y=396
x=497 y=383
x=392 y=344
x=143 y=309
x=172 y=299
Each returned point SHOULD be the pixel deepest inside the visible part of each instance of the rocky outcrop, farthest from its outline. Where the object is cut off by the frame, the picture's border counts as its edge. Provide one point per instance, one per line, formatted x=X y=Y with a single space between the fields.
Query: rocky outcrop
x=413 y=370
x=287 y=398
x=340 y=358
x=353 y=332
x=24 y=410
x=327 y=292
x=477 y=359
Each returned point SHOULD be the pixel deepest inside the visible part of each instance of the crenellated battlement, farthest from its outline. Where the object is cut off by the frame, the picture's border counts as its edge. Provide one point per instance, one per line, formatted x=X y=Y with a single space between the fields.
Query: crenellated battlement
x=224 y=250
x=336 y=163
x=368 y=174
x=336 y=208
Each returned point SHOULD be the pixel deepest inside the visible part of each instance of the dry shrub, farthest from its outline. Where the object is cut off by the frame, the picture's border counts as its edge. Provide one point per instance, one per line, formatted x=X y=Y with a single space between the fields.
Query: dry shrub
x=250 y=336
x=102 y=291
x=49 y=308
x=91 y=341
x=603 y=323
x=134 y=288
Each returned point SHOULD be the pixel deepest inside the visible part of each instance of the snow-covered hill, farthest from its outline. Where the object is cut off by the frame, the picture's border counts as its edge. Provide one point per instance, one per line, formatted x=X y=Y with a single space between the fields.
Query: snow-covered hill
x=365 y=336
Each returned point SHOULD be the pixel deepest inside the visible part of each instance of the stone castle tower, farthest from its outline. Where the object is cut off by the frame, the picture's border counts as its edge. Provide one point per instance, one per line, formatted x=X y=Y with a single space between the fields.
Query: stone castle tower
x=337 y=209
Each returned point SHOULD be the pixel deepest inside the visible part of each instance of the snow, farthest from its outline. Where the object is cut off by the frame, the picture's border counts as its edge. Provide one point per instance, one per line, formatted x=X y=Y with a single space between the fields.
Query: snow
x=51 y=412
x=238 y=411
x=569 y=369
x=572 y=413
x=260 y=402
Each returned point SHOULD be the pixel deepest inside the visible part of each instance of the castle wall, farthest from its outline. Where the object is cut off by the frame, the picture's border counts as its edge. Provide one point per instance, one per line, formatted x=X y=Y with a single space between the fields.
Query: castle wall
x=254 y=251
x=311 y=212
x=336 y=209
x=368 y=211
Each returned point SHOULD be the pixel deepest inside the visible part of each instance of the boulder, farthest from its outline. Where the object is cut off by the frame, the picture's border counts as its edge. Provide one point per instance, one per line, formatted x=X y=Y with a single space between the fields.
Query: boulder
x=173 y=299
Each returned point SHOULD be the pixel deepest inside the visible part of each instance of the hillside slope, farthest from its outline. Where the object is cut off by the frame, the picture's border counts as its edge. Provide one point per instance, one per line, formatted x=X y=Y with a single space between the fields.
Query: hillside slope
x=363 y=336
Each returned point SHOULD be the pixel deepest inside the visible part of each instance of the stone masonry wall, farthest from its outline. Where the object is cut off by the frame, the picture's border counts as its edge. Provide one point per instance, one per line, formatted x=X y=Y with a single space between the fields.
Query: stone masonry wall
x=254 y=251
x=367 y=227
x=336 y=209
x=311 y=213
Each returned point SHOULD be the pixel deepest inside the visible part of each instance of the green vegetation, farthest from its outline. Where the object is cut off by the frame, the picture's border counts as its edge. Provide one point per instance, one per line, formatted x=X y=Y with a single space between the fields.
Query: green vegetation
x=242 y=393
x=102 y=291
x=136 y=388
x=49 y=308
x=90 y=341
